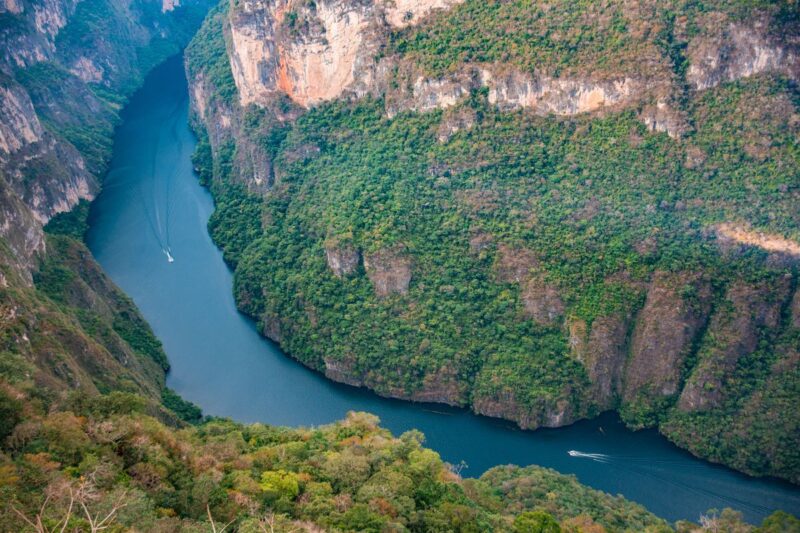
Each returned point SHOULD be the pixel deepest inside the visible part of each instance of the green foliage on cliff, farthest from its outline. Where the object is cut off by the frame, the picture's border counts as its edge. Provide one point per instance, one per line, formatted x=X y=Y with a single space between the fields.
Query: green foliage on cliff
x=599 y=202
x=481 y=247
x=567 y=38
x=207 y=52
x=74 y=332
x=71 y=223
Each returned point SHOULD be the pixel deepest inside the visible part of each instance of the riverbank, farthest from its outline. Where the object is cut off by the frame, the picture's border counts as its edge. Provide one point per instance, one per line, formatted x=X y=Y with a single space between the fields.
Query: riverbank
x=219 y=361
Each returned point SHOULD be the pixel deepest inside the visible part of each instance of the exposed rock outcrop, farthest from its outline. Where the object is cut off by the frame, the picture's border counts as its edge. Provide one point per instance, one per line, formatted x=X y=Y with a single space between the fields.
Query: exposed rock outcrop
x=389 y=271
x=20 y=231
x=541 y=301
x=728 y=52
x=321 y=51
x=504 y=404
x=310 y=52
x=19 y=124
x=602 y=348
x=546 y=95
x=675 y=311
x=342 y=370
x=442 y=386
x=402 y=13
x=746 y=314
x=326 y=51
x=731 y=236
x=342 y=260
x=514 y=265
x=662 y=117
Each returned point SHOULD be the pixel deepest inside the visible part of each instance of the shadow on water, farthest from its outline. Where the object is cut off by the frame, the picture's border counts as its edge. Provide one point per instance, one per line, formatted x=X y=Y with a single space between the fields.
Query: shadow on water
x=152 y=209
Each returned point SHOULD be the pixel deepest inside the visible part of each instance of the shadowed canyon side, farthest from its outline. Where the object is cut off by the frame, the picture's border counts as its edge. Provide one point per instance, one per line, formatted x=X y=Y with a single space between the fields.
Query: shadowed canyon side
x=66 y=68
x=540 y=224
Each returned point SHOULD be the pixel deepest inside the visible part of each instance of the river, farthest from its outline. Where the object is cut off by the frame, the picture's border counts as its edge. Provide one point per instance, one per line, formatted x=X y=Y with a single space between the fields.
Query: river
x=152 y=204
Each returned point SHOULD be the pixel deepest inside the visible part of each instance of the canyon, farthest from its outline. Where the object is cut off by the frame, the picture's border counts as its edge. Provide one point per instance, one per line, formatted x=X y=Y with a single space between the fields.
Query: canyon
x=540 y=212
x=667 y=353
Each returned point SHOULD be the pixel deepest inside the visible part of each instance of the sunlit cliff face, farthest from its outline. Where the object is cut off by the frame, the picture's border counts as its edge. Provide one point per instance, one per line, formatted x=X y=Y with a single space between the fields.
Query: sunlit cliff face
x=313 y=53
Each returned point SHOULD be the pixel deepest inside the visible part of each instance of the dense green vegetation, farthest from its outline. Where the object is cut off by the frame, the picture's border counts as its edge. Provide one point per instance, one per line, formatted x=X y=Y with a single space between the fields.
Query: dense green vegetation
x=567 y=38
x=582 y=193
x=497 y=217
x=207 y=52
x=105 y=456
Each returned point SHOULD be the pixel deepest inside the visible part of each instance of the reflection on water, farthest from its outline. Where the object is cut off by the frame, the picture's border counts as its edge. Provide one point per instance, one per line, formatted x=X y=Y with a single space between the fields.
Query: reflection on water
x=148 y=230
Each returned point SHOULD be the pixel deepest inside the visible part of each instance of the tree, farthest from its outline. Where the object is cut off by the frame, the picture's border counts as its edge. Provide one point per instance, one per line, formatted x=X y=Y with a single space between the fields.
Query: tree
x=279 y=484
x=536 y=522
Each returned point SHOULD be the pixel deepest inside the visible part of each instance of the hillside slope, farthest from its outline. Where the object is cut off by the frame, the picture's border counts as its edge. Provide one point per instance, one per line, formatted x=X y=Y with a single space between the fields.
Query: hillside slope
x=542 y=211
x=66 y=69
x=105 y=459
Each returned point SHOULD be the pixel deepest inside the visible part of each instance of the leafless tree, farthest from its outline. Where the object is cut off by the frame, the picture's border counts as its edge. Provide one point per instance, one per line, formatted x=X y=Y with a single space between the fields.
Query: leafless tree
x=213 y=524
x=83 y=495
x=457 y=469
x=98 y=521
x=37 y=522
x=267 y=524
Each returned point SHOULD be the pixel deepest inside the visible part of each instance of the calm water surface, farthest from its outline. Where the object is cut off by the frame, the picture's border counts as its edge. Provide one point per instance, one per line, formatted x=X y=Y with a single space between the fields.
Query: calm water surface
x=152 y=204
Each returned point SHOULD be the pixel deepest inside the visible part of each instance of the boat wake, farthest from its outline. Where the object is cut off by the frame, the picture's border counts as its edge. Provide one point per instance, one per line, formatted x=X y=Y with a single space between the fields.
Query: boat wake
x=599 y=457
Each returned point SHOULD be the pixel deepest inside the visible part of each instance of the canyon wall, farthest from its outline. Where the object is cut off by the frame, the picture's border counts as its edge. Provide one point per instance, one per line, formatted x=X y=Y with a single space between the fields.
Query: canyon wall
x=676 y=349
x=64 y=67
x=322 y=51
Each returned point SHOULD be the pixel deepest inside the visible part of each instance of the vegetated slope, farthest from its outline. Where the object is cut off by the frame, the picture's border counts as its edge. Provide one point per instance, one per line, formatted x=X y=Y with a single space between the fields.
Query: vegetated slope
x=542 y=211
x=65 y=71
x=103 y=457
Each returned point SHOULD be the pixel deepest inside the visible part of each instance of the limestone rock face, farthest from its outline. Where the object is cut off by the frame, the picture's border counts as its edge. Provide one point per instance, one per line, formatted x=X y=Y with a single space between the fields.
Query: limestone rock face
x=442 y=386
x=547 y=95
x=402 y=13
x=542 y=302
x=321 y=52
x=733 y=332
x=504 y=404
x=389 y=271
x=734 y=51
x=311 y=53
x=19 y=124
x=20 y=231
x=731 y=236
x=662 y=117
x=603 y=350
x=342 y=260
x=676 y=308
x=342 y=371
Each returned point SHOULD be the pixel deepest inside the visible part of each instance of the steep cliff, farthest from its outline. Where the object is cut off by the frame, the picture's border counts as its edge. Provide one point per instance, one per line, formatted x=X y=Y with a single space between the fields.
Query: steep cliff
x=65 y=69
x=542 y=210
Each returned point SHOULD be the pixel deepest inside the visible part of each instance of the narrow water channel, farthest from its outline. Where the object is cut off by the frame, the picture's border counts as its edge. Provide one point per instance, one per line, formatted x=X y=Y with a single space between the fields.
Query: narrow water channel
x=148 y=230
